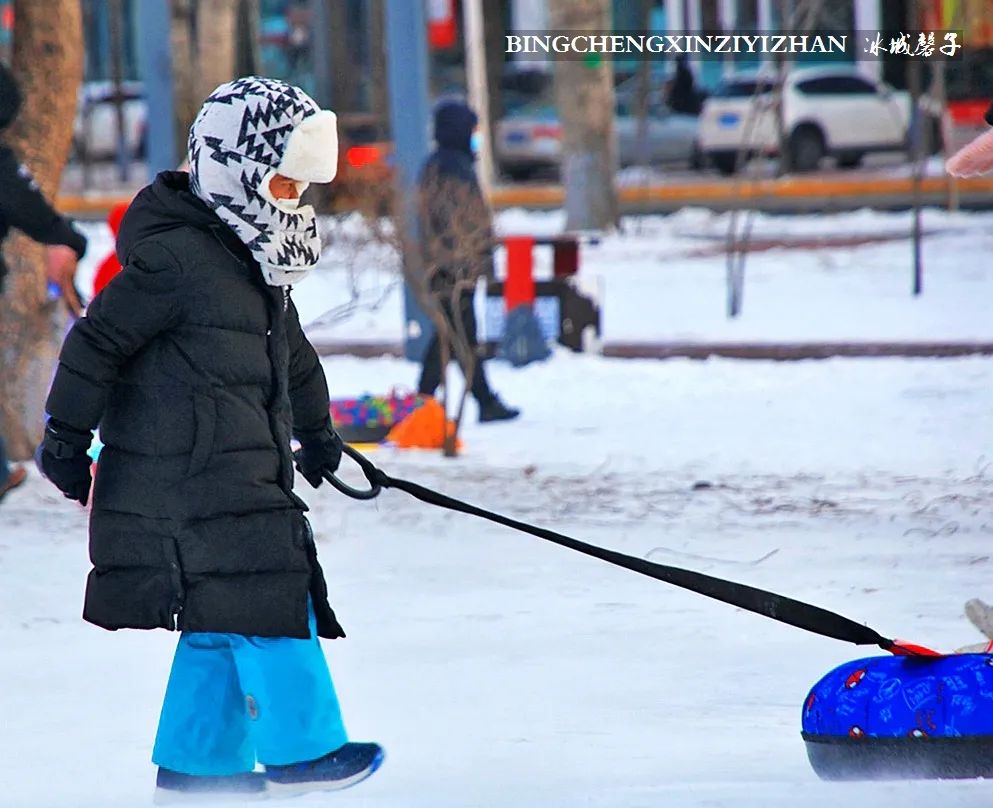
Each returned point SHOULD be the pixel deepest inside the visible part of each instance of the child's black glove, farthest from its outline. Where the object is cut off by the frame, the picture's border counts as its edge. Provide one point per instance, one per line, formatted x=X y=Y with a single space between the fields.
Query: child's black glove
x=317 y=454
x=62 y=458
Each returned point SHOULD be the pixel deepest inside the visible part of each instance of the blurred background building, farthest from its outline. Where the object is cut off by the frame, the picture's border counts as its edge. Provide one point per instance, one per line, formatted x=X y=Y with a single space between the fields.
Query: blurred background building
x=335 y=50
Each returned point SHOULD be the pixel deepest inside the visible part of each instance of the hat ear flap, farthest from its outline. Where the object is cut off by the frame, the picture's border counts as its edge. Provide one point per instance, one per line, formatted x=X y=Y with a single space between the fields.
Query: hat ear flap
x=311 y=153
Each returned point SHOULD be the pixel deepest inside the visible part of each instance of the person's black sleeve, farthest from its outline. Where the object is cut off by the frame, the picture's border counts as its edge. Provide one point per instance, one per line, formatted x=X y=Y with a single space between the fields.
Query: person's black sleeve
x=308 y=387
x=143 y=300
x=24 y=206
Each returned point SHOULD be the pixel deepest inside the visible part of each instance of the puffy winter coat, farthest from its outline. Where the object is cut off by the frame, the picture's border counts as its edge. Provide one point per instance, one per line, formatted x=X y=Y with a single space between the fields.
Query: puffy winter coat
x=197 y=373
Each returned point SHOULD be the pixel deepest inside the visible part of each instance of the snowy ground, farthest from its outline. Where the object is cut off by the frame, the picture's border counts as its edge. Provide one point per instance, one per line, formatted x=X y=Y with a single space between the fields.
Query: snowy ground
x=664 y=279
x=675 y=265
x=500 y=671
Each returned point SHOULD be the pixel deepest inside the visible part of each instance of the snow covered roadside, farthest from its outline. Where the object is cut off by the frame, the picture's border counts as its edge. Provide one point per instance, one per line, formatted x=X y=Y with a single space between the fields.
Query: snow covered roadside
x=500 y=671
x=661 y=281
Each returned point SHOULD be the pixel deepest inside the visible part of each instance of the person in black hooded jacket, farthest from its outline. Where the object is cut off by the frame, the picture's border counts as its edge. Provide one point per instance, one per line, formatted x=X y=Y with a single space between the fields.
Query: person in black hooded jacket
x=193 y=363
x=23 y=206
x=457 y=234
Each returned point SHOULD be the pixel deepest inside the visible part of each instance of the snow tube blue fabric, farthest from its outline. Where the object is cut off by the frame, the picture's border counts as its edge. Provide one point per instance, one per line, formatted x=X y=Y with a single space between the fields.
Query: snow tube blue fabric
x=894 y=718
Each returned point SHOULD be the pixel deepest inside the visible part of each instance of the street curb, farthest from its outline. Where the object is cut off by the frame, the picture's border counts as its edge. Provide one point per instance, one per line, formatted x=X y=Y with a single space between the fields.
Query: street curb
x=90 y=207
x=792 y=351
x=777 y=351
x=361 y=350
x=786 y=193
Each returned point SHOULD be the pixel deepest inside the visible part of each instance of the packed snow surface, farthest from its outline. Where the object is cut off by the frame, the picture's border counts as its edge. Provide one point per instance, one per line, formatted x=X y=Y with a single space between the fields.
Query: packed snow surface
x=498 y=670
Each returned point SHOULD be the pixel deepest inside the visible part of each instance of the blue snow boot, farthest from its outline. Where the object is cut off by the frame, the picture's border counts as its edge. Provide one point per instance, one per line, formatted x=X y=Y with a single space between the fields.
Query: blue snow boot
x=344 y=767
x=175 y=788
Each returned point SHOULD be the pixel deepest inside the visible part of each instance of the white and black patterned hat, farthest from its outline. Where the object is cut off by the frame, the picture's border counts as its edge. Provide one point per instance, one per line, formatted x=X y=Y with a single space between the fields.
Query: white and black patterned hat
x=247 y=131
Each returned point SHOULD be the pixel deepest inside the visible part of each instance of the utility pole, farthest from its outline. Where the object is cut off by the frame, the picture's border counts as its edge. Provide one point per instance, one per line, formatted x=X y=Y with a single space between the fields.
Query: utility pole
x=479 y=100
x=407 y=70
x=376 y=39
x=117 y=77
x=333 y=74
x=917 y=135
x=321 y=23
x=156 y=59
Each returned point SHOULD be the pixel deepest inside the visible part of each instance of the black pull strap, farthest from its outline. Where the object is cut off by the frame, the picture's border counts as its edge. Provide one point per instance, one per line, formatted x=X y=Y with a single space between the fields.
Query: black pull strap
x=777 y=607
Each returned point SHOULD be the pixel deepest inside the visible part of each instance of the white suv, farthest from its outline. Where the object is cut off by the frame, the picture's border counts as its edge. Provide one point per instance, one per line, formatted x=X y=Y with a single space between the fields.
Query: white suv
x=826 y=111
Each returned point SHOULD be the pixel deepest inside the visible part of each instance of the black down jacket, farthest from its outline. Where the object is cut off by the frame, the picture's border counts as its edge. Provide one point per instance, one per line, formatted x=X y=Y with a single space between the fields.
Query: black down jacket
x=196 y=372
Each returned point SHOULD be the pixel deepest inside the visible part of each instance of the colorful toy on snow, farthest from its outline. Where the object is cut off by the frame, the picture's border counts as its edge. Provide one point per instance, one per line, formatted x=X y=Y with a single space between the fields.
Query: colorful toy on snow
x=408 y=421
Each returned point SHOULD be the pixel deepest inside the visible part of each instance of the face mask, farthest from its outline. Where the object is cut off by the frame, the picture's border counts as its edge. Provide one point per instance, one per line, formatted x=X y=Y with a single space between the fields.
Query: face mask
x=475 y=142
x=285 y=205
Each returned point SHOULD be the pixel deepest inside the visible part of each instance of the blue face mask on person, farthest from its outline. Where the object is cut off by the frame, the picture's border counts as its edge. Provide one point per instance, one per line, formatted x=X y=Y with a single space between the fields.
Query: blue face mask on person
x=475 y=142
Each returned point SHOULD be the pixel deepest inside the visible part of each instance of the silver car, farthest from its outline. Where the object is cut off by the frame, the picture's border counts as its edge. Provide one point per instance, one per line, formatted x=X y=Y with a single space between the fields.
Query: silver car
x=530 y=139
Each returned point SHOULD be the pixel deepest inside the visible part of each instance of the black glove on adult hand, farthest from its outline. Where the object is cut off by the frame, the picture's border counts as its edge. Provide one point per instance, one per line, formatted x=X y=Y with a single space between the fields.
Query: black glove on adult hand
x=317 y=454
x=62 y=458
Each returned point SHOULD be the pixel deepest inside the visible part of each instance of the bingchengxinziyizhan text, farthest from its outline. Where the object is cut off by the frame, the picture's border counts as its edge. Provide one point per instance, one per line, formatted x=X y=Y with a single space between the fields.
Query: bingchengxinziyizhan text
x=565 y=45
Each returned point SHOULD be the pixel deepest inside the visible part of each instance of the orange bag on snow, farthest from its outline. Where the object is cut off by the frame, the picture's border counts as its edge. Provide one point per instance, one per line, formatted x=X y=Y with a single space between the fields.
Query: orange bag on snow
x=424 y=428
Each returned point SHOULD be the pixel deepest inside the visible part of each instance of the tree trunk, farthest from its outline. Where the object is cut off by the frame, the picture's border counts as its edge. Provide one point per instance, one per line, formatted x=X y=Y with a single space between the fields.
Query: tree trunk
x=217 y=28
x=584 y=92
x=48 y=62
x=186 y=103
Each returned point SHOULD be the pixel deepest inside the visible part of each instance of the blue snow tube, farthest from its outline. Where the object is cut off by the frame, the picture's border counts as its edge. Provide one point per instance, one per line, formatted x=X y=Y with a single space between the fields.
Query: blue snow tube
x=897 y=717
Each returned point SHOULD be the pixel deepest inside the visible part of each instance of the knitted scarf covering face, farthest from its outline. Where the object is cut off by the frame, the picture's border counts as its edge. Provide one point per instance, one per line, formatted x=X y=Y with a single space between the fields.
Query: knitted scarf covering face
x=236 y=144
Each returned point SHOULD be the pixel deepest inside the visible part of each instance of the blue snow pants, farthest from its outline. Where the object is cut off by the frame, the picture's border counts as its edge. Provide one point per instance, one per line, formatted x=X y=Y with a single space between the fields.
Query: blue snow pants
x=234 y=700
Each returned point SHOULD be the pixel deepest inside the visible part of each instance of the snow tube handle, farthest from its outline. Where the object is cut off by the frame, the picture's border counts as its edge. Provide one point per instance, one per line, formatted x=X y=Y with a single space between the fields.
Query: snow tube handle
x=904 y=648
x=367 y=468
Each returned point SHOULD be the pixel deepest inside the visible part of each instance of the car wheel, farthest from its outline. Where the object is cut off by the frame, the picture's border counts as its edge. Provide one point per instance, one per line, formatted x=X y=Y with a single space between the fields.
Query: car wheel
x=141 y=147
x=806 y=148
x=725 y=163
x=78 y=152
x=520 y=173
x=850 y=159
x=696 y=158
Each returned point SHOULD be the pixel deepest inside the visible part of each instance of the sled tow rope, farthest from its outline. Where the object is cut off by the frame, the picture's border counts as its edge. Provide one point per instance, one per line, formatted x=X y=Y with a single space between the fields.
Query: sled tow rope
x=777 y=607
